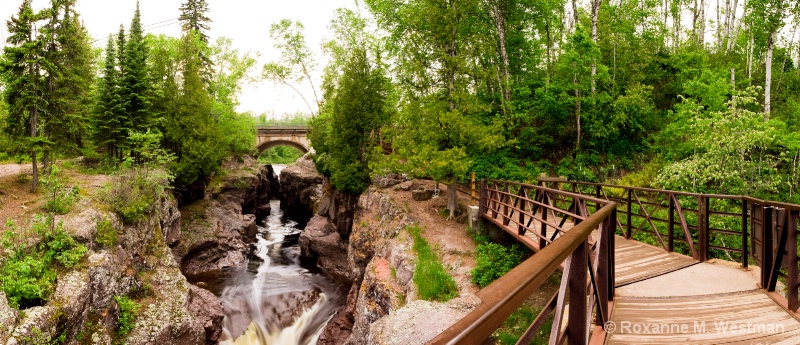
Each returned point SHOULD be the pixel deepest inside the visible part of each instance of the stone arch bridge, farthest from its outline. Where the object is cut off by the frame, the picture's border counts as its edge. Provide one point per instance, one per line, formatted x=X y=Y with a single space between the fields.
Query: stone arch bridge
x=271 y=136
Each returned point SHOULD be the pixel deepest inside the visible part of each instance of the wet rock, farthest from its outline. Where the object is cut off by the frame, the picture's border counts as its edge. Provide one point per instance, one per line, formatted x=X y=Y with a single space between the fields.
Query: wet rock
x=207 y=310
x=301 y=189
x=321 y=246
x=282 y=310
x=422 y=194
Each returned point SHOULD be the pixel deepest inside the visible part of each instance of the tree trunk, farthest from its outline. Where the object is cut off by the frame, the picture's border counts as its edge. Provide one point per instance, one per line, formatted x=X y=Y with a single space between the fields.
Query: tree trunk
x=719 y=32
x=577 y=108
x=595 y=12
x=701 y=40
x=499 y=14
x=768 y=78
x=35 y=166
x=452 y=200
x=574 y=15
x=733 y=28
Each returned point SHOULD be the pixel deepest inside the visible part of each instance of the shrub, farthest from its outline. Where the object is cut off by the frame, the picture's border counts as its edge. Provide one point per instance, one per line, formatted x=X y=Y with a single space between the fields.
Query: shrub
x=59 y=199
x=134 y=191
x=430 y=277
x=106 y=234
x=493 y=260
x=28 y=276
x=127 y=314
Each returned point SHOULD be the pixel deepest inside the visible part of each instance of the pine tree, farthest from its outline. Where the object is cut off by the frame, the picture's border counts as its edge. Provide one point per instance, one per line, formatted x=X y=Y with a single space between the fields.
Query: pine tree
x=109 y=118
x=21 y=66
x=135 y=84
x=193 y=18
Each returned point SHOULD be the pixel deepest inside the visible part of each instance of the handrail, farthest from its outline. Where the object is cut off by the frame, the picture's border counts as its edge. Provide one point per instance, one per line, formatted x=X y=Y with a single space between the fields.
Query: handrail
x=766 y=232
x=502 y=297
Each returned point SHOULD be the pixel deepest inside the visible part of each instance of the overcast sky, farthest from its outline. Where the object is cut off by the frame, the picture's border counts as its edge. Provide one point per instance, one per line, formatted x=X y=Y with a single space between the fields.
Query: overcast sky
x=245 y=21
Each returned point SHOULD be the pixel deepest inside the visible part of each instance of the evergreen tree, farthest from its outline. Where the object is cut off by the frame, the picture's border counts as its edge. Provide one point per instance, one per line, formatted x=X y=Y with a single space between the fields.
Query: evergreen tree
x=135 y=85
x=109 y=118
x=193 y=18
x=346 y=130
x=22 y=61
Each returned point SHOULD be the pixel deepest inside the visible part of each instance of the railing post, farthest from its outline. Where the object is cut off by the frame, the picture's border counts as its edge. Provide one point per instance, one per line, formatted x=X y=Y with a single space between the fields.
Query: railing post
x=543 y=231
x=629 y=229
x=767 y=256
x=472 y=188
x=597 y=195
x=577 y=333
x=482 y=202
x=745 y=244
x=671 y=224
x=791 y=257
x=702 y=228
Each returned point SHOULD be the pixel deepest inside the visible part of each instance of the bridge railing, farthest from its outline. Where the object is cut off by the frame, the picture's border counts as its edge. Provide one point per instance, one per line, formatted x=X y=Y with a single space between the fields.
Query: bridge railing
x=728 y=227
x=587 y=285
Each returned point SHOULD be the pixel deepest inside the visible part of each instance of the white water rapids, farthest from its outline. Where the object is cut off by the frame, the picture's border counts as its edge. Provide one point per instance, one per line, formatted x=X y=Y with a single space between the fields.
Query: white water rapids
x=272 y=299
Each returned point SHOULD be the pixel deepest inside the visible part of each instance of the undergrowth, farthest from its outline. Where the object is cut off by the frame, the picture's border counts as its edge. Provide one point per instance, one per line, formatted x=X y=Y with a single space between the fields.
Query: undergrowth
x=516 y=325
x=492 y=260
x=432 y=280
x=28 y=275
x=127 y=314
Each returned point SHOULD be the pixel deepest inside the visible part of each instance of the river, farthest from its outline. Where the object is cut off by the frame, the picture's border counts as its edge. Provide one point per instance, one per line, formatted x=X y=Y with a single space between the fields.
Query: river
x=272 y=299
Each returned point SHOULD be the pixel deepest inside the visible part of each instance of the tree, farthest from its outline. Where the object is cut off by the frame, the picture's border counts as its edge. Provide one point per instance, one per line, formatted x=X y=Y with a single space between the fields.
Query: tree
x=297 y=60
x=108 y=118
x=135 y=84
x=23 y=58
x=194 y=18
x=765 y=19
x=349 y=123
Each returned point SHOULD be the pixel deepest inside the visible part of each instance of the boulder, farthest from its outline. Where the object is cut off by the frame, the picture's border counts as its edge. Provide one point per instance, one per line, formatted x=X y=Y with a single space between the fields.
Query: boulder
x=301 y=189
x=8 y=318
x=422 y=194
x=37 y=327
x=208 y=311
x=321 y=246
x=73 y=294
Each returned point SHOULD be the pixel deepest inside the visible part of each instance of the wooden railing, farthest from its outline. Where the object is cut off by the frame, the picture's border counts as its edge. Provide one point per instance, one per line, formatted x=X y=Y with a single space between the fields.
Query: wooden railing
x=587 y=284
x=728 y=227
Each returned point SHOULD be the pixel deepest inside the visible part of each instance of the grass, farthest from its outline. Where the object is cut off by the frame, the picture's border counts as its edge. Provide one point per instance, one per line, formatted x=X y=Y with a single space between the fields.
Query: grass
x=516 y=324
x=432 y=280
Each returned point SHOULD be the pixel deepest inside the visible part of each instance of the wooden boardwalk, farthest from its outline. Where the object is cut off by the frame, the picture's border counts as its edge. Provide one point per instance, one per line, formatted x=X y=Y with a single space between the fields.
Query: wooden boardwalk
x=746 y=317
x=740 y=317
x=635 y=261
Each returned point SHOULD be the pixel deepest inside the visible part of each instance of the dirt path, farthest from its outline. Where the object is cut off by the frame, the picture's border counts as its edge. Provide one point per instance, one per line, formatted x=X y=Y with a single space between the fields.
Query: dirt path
x=13 y=169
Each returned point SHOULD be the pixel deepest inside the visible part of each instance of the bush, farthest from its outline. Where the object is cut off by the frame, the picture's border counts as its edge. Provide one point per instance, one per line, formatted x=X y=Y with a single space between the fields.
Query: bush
x=134 y=192
x=106 y=234
x=494 y=260
x=516 y=325
x=127 y=314
x=28 y=276
x=430 y=277
x=59 y=199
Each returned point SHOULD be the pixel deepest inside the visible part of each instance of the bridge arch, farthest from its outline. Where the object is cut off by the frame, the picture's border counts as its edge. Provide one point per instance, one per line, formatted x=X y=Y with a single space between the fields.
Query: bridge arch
x=272 y=136
x=273 y=143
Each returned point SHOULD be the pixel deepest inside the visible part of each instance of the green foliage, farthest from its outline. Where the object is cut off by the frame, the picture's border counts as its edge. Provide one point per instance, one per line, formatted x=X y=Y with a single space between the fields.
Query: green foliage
x=734 y=151
x=60 y=198
x=128 y=310
x=493 y=260
x=348 y=126
x=516 y=325
x=280 y=155
x=106 y=234
x=238 y=131
x=29 y=275
x=432 y=280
